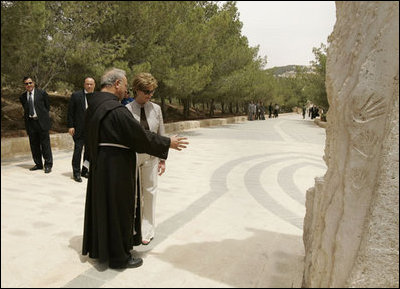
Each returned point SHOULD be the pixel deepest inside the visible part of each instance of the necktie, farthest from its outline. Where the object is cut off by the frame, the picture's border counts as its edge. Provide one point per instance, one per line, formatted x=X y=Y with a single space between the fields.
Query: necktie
x=143 y=120
x=30 y=104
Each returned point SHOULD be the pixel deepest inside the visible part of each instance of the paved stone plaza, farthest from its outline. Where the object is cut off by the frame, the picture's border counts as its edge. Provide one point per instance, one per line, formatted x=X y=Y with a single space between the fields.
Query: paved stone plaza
x=230 y=211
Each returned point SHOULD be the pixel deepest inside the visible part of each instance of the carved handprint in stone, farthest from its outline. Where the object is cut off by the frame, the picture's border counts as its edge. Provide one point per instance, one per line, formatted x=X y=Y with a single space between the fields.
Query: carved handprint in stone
x=372 y=109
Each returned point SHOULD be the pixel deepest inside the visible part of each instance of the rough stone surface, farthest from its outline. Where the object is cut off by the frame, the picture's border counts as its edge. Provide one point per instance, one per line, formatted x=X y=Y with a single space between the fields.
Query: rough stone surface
x=351 y=227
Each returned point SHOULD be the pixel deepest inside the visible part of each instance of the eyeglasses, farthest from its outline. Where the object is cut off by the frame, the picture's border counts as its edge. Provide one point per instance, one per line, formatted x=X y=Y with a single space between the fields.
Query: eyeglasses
x=147 y=92
x=26 y=83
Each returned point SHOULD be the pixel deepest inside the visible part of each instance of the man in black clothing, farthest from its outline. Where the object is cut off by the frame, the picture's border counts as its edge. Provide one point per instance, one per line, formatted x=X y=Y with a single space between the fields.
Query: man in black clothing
x=112 y=209
x=36 y=105
x=270 y=109
x=76 y=127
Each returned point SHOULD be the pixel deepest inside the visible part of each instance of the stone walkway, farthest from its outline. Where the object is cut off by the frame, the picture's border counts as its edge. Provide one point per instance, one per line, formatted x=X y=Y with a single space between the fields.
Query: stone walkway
x=229 y=213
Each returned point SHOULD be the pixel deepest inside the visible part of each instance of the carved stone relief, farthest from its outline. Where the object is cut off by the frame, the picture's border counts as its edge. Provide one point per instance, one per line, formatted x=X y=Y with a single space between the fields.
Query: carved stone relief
x=341 y=228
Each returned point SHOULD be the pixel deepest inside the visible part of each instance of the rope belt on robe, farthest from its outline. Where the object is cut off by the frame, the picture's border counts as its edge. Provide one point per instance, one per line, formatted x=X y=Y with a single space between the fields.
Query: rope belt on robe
x=113 y=145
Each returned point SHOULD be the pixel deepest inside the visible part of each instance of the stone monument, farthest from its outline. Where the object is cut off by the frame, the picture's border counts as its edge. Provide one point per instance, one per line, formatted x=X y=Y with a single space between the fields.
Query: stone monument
x=351 y=227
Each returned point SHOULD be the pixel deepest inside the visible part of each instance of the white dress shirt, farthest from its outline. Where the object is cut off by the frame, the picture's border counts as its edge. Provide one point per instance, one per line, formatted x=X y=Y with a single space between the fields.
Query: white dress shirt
x=33 y=101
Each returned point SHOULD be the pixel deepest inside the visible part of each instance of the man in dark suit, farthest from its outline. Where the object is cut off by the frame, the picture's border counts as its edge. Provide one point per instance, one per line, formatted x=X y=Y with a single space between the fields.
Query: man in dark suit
x=76 y=127
x=36 y=105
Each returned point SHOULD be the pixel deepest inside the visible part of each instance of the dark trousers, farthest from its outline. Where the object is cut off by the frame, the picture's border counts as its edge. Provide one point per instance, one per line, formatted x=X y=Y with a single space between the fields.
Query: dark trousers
x=39 y=141
x=77 y=156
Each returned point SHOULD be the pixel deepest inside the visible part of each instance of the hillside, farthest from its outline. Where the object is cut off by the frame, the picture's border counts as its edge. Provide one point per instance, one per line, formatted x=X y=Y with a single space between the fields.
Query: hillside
x=281 y=70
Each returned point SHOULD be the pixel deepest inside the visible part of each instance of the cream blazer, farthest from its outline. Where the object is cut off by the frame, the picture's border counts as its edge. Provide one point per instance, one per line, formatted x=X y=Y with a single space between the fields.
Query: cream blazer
x=153 y=115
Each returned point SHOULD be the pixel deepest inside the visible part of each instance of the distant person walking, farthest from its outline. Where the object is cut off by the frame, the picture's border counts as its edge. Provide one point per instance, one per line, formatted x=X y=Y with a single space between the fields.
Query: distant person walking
x=276 y=110
x=270 y=110
x=76 y=128
x=36 y=105
x=251 y=111
x=262 y=111
x=257 y=112
x=314 y=112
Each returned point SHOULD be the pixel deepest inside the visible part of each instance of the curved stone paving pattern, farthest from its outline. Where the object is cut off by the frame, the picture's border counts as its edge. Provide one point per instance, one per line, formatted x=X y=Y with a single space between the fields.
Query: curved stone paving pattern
x=263 y=194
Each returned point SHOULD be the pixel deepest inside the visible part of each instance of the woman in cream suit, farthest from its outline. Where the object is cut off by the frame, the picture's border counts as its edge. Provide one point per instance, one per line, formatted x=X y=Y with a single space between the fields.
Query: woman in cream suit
x=149 y=167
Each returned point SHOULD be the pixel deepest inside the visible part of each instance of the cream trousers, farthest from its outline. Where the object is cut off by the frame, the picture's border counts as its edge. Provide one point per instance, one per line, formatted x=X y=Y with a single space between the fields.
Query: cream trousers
x=148 y=173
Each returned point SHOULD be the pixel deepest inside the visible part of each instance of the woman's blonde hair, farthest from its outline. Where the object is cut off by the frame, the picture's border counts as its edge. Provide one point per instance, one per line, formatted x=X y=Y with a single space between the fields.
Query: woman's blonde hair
x=144 y=81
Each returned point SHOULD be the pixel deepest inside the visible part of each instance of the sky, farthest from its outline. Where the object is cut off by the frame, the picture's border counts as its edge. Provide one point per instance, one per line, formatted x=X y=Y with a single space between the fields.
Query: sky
x=286 y=31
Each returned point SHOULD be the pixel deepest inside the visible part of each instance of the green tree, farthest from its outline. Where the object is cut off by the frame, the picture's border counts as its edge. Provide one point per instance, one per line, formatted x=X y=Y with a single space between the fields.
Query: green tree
x=23 y=25
x=73 y=48
x=61 y=45
x=187 y=80
x=230 y=53
x=195 y=49
x=315 y=81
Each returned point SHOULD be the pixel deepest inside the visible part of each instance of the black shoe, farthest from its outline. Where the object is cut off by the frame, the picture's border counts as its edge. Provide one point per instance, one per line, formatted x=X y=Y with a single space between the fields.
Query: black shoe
x=132 y=263
x=77 y=179
x=85 y=174
x=47 y=170
x=36 y=167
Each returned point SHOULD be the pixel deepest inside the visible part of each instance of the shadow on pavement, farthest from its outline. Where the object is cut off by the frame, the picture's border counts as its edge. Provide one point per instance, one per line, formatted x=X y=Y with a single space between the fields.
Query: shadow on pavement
x=75 y=243
x=267 y=259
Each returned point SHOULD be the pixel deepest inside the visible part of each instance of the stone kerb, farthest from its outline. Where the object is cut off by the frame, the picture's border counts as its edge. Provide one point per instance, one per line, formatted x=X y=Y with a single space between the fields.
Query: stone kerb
x=222 y=121
x=320 y=123
x=19 y=146
x=175 y=127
